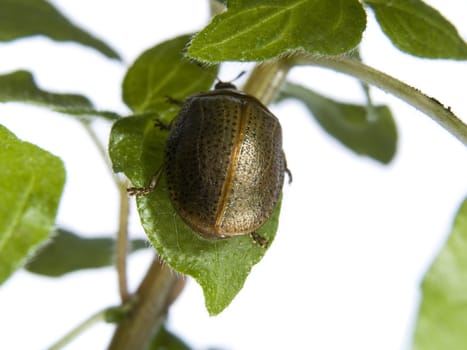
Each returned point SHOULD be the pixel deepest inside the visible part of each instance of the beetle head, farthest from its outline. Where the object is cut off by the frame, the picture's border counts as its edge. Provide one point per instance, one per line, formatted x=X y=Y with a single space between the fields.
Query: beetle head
x=227 y=84
x=224 y=85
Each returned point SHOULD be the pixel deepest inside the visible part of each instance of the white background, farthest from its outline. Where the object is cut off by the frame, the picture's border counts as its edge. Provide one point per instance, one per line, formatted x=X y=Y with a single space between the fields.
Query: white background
x=355 y=237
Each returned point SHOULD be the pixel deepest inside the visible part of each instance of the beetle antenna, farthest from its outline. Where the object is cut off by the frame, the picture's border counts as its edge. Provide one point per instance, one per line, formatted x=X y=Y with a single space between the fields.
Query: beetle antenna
x=239 y=75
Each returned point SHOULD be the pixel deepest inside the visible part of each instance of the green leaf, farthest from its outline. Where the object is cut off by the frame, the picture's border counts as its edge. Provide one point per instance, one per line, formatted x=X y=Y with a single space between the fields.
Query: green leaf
x=23 y=18
x=165 y=340
x=67 y=252
x=369 y=131
x=418 y=29
x=442 y=318
x=31 y=183
x=220 y=267
x=128 y=139
x=257 y=30
x=163 y=72
x=20 y=86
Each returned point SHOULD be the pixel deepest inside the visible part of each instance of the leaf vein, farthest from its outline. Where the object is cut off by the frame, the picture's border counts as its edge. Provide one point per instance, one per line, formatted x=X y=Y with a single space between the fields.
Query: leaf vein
x=258 y=24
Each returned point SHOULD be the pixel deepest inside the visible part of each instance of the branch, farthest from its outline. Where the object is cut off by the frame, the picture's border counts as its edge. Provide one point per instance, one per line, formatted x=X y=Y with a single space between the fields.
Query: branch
x=428 y=105
x=157 y=291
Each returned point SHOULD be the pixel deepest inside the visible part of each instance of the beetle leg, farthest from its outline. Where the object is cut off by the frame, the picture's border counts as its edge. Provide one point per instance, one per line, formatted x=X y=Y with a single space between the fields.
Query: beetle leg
x=140 y=191
x=174 y=101
x=161 y=125
x=287 y=170
x=262 y=242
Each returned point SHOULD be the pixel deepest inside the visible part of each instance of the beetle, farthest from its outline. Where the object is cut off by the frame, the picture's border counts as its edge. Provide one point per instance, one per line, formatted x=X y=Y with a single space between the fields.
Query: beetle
x=224 y=163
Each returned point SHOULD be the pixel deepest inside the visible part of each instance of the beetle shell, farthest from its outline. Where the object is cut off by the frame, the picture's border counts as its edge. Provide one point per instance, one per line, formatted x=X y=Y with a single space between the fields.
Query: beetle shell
x=224 y=162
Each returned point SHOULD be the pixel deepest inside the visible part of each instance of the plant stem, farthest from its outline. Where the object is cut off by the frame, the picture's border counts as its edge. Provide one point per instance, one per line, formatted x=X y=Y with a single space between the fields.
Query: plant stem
x=156 y=292
x=122 y=242
x=103 y=152
x=266 y=79
x=99 y=316
x=122 y=234
x=95 y=139
x=429 y=105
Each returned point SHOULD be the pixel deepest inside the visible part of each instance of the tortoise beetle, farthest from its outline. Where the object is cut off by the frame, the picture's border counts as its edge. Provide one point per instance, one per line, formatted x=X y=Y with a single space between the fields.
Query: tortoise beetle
x=224 y=163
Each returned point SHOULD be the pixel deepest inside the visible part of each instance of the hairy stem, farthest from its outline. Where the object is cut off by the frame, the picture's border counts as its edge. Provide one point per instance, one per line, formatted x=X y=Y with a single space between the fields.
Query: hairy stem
x=429 y=105
x=157 y=291
x=75 y=332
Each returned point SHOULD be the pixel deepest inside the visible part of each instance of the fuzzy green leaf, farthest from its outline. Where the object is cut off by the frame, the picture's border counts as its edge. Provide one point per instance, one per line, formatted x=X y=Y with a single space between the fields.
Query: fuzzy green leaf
x=67 y=252
x=257 y=30
x=442 y=318
x=369 y=131
x=31 y=183
x=418 y=29
x=220 y=267
x=24 y=18
x=20 y=86
x=162 y=72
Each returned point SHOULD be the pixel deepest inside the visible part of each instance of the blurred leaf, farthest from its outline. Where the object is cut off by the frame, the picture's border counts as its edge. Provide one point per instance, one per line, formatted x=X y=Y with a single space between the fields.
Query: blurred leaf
x=369 y=131
x=162 y=72
x=20 y=86
x=442 y=318
x=418 y=29
x=67 y=252
x=257 y=30
x=166 y=340
x=23 y=18
x=220 y=267
x=31 y=183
